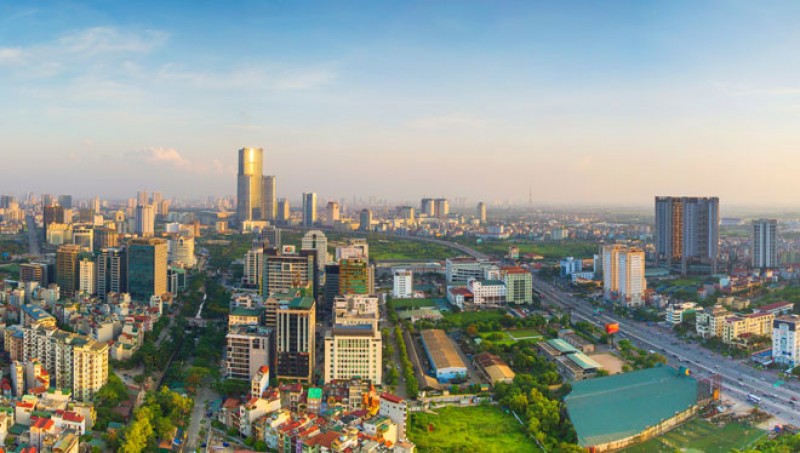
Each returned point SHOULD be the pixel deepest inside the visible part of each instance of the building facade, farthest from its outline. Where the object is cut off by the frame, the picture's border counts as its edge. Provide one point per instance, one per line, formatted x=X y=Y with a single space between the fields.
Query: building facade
x=623 y=275
x=764 y=247
x=147 y=268
x=403 y=283
x=687 y=233
x=295 y=339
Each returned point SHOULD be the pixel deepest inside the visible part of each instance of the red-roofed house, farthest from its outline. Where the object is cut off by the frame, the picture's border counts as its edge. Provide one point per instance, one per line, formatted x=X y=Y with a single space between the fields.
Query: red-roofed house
x=41 y=428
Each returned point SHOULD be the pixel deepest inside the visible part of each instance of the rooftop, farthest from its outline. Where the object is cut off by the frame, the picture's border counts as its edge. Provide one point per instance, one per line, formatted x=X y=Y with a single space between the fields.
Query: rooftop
x=441 y=349
x=562 y=346
x=616 y=407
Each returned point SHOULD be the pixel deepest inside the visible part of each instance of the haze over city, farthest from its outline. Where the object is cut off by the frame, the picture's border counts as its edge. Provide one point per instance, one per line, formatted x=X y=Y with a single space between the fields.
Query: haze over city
x=584 y=103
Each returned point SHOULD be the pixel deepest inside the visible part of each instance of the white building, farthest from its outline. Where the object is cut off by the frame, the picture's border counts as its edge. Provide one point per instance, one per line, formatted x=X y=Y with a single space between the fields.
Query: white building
x=785 y=340
x=144 y=220
x=253 y=263
x=317 y=241
x=462 y=269
x=676 y=311
x=570 y=266
x=403 y=284
x=87 y=278
x=248 y=350
x=764 y=247
x=180 y=249
x=623 y=275
x=353 y=351
x=487 y=292
x=396 y=409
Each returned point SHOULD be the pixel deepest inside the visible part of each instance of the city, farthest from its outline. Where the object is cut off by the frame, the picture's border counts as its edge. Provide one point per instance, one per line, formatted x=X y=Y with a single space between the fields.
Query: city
x=427 y=227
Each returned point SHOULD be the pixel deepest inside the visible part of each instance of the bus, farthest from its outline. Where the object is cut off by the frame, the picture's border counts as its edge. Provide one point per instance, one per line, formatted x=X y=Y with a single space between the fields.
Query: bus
x=753 y=399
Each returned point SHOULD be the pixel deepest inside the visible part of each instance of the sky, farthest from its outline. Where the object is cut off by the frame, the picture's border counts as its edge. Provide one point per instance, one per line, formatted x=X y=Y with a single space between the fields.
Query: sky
x=579 y=101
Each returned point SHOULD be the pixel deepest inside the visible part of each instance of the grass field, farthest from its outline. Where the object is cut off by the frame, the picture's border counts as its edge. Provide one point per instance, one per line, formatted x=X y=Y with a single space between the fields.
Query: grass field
x=519 y=334
x=500 y=338
x=548 y=249
x=701 y=436
x=472 y=429
x=406 y=304
x=466 y=318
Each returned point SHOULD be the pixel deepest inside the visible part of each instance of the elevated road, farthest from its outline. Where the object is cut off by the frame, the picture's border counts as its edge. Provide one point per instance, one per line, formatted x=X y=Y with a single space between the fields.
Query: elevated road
x=738 y=379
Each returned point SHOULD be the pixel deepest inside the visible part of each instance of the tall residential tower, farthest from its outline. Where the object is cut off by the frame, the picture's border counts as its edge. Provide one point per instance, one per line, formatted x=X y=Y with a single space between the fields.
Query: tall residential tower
x=764 y=249
x=687 y=233
x=250 y=185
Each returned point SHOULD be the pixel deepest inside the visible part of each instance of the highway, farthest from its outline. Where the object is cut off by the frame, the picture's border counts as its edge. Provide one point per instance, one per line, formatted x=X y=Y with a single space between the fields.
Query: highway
x=33 y=241
x=738 y=379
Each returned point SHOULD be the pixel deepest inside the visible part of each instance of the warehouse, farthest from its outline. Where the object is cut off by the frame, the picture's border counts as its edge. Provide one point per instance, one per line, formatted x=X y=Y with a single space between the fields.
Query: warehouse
x=446 y=364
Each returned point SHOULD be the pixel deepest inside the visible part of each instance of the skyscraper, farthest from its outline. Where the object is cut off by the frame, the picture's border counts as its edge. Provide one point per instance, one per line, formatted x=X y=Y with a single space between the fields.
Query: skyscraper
x=249 y=185
x=270 y=204
x=623 y=274
x=356 y=276
x=365 y=220
x=296 y=322
x=147 y=268
x=52 y=214
x=65 y=201
x=87 y=278
x=284 y=211
x=284 y=269
x=687 y=233
x=112 y=272
x=67 y=270
x=333 y=214
x=427 y=207
x=764 y=248
x=441 y=208
x=309 y=209
x=482 y=212
x=145 y=220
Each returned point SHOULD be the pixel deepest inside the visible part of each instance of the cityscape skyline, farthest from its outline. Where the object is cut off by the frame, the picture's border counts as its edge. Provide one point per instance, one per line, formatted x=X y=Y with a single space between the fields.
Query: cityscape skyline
x=142 y=96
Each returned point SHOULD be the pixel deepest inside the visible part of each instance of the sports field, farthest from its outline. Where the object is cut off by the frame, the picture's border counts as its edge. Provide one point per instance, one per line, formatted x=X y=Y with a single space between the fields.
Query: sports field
x=405 y=304
x=524 y=334
x=478 y=429
x=700 y=436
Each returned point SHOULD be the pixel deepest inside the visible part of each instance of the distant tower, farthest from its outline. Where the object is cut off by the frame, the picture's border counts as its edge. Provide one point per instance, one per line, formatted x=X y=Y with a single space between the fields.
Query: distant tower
x=309 y=209
x=145 y=220
x=270 y=205
x=764 y=248
x=315 y=240
x=365 y=220
x=333 y=213
x=284 y=211
x=249 y=185
x=482 y=212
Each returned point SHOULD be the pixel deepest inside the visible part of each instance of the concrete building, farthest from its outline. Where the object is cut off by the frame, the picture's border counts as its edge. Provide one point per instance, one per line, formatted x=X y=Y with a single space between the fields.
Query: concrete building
x=786 y=340
x=356 y=276
x=764 y=246
x=284 y=269
x=147 y=268
x=144 y=220
x=87 y=279
x=493 y=369
x=365 y=220
x=736 y=328
x=353 y=351
x=309 y=209
x=519 y=285
x=33 y=272
x=296 y=321
x=441 y=207
x=248 y=350
x=332 y=213
x=623 y=275
x=687 y=233
x=68 y=269
x=487 y=292
x=403 y=284
x=112 y=272
x=446 y=363
x=570 y=266
x=462 y=269
x=268 y=197
x=405 y=212
x=73 y=361
x=482 y=212
x=711 y=321
x=253 y=264
x=675 y=311
x=284 y=211
x=315 y=240
x=180 y=250
x=427 y=207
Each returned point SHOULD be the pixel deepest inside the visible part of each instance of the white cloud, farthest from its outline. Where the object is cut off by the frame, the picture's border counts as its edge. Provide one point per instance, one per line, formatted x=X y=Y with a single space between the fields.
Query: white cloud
x=452 y=120
x=10 y=54
x=108 y=40
x=172 y=159
x=253 y=78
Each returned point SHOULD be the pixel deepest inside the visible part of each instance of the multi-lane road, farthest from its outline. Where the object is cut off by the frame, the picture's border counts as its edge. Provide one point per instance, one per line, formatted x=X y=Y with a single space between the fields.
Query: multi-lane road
x=738 y=379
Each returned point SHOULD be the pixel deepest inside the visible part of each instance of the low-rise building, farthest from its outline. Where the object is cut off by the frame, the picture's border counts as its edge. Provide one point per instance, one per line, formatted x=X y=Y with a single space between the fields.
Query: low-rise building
x=759 y=323
x=786 y=340
x=446 y=363
x=711 y=321
x=676 y=310
x=493 y=368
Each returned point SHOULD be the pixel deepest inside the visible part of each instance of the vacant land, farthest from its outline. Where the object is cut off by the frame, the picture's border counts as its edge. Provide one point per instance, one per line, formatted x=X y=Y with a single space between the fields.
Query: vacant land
x=702 y=436
x=407 y=304
x=499 y=338
x=548 y=249
x=406 y=249
x=478 y=429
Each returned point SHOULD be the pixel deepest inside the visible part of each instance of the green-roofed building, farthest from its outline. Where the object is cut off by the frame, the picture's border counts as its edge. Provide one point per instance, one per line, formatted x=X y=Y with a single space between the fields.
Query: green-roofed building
x=617 y=411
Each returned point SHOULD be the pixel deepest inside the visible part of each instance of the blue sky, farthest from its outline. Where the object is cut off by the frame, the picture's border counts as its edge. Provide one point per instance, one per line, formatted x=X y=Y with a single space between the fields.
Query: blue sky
x=587 y=102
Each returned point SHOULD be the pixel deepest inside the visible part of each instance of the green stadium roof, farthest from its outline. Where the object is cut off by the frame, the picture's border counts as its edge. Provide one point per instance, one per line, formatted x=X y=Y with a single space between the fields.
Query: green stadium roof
x=612 y=408
x=584 y=361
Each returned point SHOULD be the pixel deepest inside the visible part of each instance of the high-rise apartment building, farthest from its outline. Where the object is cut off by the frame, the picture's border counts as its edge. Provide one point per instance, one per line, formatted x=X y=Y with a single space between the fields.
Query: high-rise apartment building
x=87 y=280
x=249 y=185
x=295 y=339
x=270 y=202
x=333 y=214
x=67 y=269
x=73 y=361
x=482 y=212
x=623 y=274
x=284 y=211
x=687 y=233
x=403 y=284
x=764 y=248
x=112 y=271
x=253 y=262
x=519 y=285
x=309 y=209
x=52 y=214
x=427 y=207
x=441 y=208
x=365 y=220
x=65 y=201
x=142 y=198
x=405 y=212
x=248 y=349
x=180 y=250
x=315 y=240
x=353 y=346
x=147 y=268
x=284 y=269
x=145 y=220
x=34 y=272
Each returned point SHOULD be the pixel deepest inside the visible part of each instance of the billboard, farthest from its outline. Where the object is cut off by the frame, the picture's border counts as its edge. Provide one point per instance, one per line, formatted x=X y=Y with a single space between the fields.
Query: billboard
x=612 y=328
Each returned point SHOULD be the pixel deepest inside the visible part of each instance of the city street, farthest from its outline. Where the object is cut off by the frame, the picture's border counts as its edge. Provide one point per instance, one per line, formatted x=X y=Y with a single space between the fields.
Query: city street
x=738 y=378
